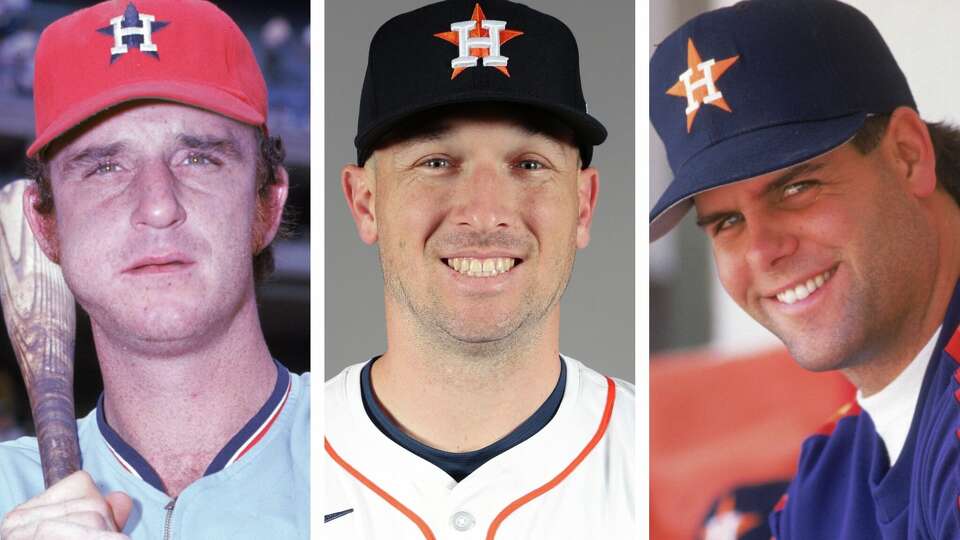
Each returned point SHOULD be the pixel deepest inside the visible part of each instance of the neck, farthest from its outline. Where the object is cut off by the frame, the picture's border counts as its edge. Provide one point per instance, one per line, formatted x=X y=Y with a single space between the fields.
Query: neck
x=914 y=332
x=179 y=407
x=463 y=399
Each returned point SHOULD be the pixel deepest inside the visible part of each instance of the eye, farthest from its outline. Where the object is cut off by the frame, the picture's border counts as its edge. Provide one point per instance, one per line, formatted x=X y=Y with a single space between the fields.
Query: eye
x=199 y=159
x=436 y=163
x=104 y=167
x=530 y=165
x=727 y=222
x=796 y=188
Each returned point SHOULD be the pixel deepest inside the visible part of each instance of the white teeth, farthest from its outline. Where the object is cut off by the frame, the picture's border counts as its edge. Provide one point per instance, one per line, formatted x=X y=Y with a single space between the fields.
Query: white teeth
x=804 y=290
x=481 y=267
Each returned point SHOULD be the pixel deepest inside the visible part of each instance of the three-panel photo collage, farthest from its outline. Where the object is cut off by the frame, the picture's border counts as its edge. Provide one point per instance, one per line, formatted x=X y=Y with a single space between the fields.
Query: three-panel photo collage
x=563 y=270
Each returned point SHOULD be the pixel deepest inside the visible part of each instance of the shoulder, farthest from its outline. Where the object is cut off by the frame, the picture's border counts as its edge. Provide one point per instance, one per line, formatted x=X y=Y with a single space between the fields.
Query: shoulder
x=834 y=464
x=339 y=388
x=620 y=393
x=300 y=393
x=610 y=398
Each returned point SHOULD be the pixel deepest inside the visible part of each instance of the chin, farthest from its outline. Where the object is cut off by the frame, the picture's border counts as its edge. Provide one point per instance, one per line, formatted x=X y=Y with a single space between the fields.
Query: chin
x=818 y=357
x=473 y=333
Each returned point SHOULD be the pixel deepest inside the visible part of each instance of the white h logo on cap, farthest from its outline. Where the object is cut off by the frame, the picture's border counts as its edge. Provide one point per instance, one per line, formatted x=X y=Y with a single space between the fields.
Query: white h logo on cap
x=145 y=30
x=491 y=42
x=481 y=37
x=706 y=68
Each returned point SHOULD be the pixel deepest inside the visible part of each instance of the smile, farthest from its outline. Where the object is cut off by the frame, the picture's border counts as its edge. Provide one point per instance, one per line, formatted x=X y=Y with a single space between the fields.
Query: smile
x=471 y=267
x=803 y=290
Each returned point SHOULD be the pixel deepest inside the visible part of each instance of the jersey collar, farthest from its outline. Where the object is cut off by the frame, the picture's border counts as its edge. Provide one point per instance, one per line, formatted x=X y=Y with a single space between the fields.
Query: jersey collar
x=249 y=435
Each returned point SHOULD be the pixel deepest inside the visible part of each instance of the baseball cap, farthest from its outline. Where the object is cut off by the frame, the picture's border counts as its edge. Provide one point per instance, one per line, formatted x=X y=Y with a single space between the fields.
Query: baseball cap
x=464 y=51
x=760 y=86
x=186 y=51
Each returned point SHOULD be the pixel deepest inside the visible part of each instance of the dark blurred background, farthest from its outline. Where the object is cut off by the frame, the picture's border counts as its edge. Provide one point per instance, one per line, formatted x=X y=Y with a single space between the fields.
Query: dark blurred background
x=280 y=34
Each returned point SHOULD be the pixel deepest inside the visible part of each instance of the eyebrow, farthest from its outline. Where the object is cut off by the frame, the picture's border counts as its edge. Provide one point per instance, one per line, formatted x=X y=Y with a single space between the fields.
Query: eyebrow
x=775 y=185
x=213 y=143
x=92 y=154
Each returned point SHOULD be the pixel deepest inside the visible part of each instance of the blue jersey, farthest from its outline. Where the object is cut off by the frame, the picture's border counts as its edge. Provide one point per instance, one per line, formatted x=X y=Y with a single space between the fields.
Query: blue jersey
x=257 y=487
x=845 y=486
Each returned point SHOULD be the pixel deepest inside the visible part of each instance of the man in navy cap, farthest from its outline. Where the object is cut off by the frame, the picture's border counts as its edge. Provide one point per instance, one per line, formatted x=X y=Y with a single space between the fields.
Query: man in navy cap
x=831 y=208
x=473 y=177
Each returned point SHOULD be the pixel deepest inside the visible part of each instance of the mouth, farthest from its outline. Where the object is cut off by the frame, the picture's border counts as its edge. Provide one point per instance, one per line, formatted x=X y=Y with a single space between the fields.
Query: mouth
x=482 y=267
x=802 y=290
x=159 y=265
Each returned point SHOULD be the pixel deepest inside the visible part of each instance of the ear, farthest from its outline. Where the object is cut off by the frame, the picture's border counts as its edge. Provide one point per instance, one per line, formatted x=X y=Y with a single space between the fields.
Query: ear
x=270 y=209
x=44 y=226
x=358 y=188
x=588 y=188
x=907 y=143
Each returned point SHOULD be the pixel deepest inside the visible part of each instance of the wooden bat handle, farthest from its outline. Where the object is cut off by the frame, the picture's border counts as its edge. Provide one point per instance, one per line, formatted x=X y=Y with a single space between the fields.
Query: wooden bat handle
x=38 y=309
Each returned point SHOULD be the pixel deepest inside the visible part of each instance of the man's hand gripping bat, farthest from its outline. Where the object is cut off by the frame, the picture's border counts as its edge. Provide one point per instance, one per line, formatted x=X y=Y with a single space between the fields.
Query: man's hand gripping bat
x=39 y=311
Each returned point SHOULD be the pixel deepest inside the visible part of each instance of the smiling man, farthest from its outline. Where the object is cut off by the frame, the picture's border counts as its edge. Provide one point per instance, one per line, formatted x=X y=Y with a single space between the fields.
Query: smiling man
x=832 y=211
x=473 y=178
x=158 y=193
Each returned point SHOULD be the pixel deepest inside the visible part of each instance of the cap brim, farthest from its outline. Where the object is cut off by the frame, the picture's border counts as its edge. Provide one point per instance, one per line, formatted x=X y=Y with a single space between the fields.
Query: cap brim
x=746 y=156
x=197 y=95
x=588 y=130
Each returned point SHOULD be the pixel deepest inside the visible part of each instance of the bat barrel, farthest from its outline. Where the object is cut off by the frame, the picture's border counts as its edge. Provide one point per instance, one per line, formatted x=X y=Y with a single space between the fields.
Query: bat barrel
x=38 y=309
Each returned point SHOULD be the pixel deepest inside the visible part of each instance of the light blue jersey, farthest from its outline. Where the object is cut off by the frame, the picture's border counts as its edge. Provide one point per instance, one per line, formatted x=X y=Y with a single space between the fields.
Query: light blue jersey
x=257 y=487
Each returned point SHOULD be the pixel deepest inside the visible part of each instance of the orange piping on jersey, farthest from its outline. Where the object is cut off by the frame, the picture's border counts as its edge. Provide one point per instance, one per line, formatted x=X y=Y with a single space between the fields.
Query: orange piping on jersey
x=850 y=409
x=782 y=503
x=427 y=533
x=953 y=346
x=604 y=422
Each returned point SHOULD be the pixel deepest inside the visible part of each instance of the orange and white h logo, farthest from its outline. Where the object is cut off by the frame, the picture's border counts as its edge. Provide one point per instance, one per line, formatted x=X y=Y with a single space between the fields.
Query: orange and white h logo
x=698 y=83
x=478 y=38
x=706 y=79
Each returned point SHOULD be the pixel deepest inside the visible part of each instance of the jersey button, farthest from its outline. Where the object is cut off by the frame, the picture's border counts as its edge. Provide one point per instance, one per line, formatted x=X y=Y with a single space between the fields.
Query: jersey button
x=462 y=521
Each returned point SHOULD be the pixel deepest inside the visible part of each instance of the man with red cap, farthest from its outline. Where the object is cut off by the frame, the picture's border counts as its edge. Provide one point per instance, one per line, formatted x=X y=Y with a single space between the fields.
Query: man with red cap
x=158 y=192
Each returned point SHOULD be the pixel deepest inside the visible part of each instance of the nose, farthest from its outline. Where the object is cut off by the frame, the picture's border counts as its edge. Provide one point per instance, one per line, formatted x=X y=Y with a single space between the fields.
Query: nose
x=483 y=200
x=156 y=196
x=770 y=241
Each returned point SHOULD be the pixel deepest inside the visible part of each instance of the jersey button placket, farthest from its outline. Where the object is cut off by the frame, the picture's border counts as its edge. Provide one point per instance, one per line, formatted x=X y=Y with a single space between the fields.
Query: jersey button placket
x=462 y=521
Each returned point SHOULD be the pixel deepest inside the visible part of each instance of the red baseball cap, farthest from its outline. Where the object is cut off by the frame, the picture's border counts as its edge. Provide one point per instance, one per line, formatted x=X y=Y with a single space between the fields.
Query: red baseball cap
x=186 y=51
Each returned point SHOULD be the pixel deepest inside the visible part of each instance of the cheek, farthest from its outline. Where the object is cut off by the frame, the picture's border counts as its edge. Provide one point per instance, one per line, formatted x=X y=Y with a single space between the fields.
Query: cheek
x=407 y=221
x=733 y=273
x=551 y=215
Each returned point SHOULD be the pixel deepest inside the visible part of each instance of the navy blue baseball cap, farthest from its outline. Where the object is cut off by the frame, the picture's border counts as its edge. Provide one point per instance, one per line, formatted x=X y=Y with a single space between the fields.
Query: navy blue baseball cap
x=763 y=85
x=473 y=51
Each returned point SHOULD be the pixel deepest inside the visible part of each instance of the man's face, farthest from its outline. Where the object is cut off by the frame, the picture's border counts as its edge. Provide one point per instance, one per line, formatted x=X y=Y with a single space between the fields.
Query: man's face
x=155 y=209
x=478 y=222
x=824 y=254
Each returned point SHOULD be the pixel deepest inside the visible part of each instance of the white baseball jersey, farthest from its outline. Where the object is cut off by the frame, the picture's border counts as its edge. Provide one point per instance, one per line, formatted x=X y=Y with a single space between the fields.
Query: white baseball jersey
x=571 y=480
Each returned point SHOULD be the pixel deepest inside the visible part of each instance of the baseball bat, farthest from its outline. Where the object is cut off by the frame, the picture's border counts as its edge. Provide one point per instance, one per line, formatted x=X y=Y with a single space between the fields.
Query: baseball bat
x=38 y=309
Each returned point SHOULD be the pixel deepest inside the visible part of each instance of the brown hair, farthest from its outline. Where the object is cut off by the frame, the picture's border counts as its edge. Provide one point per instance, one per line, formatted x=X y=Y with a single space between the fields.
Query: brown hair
x=946 y=148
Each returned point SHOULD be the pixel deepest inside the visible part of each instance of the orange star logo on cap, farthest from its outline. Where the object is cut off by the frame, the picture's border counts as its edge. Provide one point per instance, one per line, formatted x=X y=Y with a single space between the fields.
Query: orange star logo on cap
x=698 y=83
x=478 y=39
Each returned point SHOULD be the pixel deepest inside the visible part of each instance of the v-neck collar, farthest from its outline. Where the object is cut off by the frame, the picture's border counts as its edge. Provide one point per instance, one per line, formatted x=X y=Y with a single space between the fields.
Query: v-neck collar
x=249 y=435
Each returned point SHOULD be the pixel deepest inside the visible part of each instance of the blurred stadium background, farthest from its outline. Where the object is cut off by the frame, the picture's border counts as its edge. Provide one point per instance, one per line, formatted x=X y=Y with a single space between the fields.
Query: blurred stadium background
x=280 y=34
